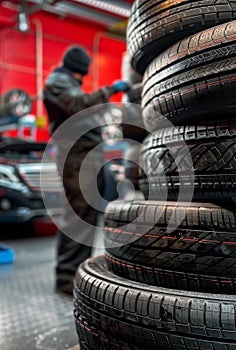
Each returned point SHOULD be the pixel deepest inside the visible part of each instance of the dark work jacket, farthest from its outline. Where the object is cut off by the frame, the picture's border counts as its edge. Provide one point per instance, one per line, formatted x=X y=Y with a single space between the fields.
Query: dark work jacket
x=132 y=113
x=63 y=97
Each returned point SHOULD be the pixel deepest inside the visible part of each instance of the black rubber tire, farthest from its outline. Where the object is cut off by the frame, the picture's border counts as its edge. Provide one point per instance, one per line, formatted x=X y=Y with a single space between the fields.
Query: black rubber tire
x=153 y=26
x=217 y=189
x=212 y=149
x=92 y=338
x=195 y=80
x=162 y=277
x=202 y=244
x=146 y=317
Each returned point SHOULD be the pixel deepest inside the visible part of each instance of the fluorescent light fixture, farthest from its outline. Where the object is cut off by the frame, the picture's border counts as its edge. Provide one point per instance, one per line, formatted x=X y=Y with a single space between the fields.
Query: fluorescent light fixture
x=114 y=8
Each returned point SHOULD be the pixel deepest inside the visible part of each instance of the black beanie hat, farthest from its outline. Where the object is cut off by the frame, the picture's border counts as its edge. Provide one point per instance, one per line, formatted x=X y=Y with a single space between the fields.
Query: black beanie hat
x=77 y=60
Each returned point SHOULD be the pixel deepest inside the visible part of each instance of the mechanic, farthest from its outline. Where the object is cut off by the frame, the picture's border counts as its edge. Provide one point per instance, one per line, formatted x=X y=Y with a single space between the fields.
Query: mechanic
x=63 y=97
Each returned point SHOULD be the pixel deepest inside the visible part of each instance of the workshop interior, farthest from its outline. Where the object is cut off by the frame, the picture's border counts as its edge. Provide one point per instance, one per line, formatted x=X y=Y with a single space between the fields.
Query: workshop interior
x=117 y=175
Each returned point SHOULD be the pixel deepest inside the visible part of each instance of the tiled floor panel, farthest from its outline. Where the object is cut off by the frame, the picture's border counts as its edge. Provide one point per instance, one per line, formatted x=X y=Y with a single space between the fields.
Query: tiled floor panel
x=32 y=315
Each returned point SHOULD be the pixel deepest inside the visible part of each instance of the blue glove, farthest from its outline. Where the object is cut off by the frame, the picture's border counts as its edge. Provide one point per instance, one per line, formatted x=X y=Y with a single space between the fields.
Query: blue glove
x=120 y=85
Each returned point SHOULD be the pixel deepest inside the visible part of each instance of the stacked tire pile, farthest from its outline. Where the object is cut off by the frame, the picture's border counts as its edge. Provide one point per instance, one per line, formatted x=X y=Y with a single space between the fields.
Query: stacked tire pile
x=168 y=277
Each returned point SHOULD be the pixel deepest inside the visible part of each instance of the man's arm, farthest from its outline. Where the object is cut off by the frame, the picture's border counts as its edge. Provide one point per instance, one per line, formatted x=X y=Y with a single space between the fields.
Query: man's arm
x=73 y=100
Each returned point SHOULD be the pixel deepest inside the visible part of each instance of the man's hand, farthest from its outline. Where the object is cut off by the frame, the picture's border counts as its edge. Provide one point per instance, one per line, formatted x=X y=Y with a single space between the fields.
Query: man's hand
x=120 y=85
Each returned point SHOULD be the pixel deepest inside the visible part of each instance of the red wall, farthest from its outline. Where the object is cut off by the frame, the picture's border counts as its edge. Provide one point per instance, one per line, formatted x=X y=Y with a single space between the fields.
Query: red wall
x=49 y=36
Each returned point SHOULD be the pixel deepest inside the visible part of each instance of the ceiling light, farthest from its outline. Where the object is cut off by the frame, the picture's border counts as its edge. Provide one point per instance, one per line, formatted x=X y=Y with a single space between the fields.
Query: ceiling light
x=114 y=8
x=23 y=22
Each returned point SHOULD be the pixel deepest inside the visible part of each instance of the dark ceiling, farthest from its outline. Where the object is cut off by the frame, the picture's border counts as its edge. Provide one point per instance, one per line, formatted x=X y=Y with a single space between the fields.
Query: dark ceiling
x=108 y=12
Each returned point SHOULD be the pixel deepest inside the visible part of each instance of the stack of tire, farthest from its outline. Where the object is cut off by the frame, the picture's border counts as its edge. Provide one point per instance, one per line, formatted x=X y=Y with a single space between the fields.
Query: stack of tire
x=167 y=279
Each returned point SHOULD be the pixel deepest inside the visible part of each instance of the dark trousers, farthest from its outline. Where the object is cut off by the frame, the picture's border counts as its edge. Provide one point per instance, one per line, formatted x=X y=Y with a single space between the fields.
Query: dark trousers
x=75 y=240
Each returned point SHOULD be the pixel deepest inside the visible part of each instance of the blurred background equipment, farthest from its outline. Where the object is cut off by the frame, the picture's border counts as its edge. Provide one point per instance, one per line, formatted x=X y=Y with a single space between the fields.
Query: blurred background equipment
x=16 y=102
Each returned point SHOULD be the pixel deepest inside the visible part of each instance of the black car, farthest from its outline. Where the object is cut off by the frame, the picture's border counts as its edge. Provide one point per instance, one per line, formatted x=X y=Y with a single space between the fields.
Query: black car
x=22 y=173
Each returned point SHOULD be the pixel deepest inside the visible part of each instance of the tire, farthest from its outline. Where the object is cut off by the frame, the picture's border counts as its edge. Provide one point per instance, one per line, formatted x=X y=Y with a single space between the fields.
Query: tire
x=92 y=338
x=212 y=150
x=217 y=189
x=202 y=244
x=18 y=102
x=154 y=26
x=162 y=277
x=139 y=316
x=193 y=81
